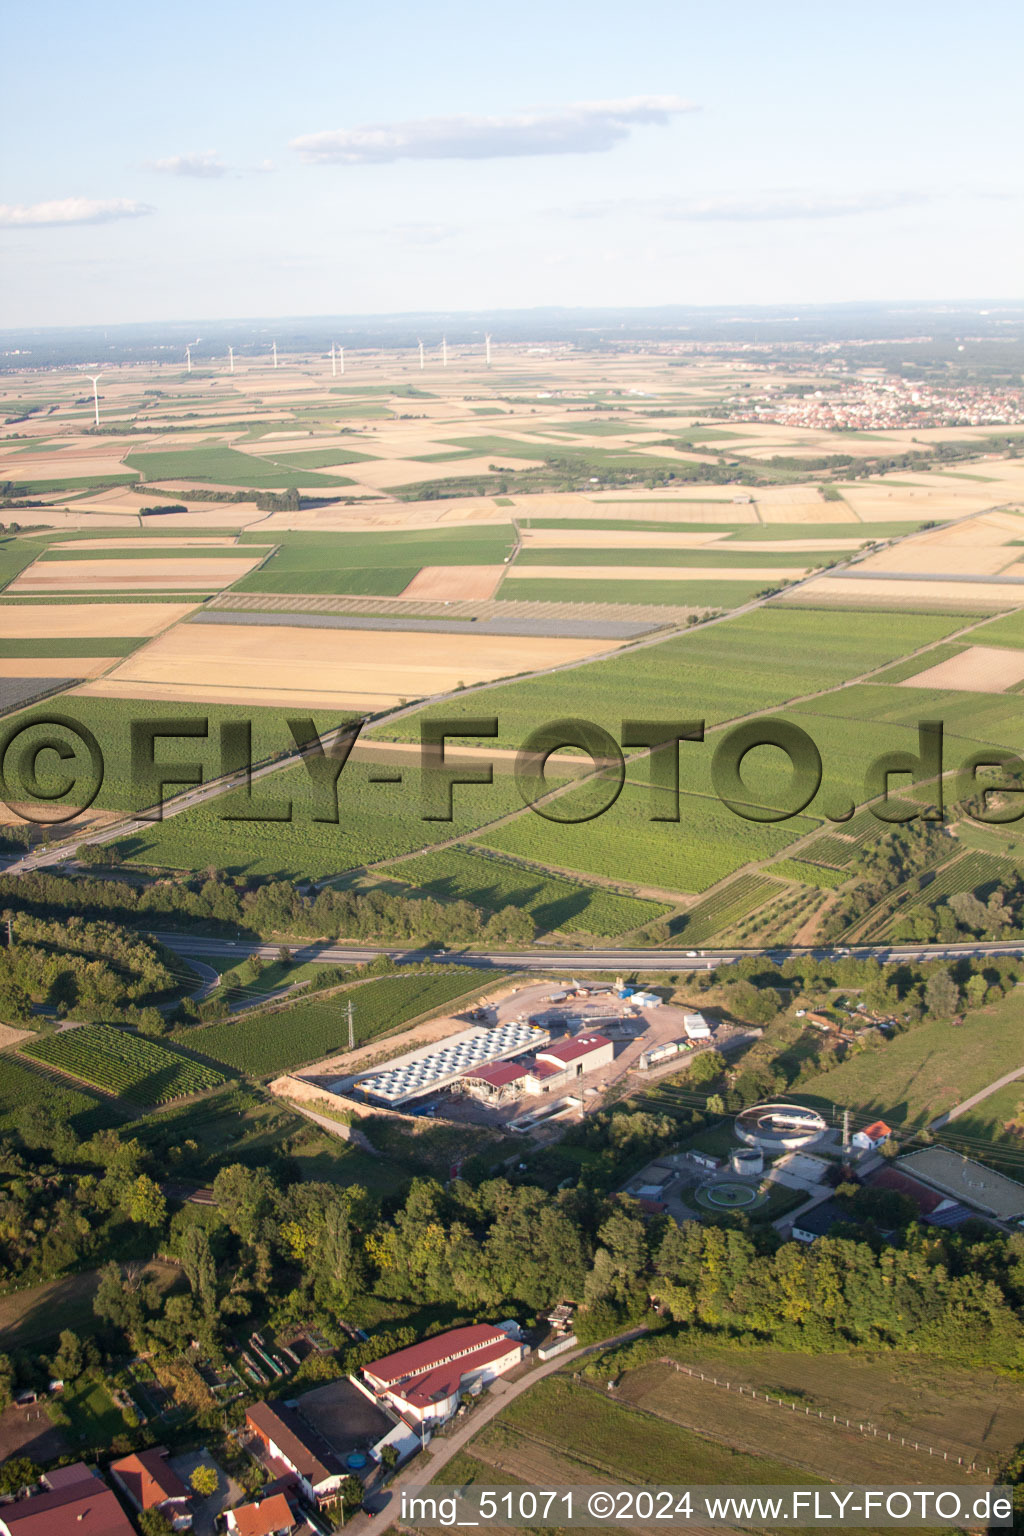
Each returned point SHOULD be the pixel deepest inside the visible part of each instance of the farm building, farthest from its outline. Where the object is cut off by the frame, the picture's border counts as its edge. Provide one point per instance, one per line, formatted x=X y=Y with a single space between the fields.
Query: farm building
x=967 y=1181
x=696 y=1026
x=424 y=1382
x=270 y=1516
x=295 y=1447
x=556 y=1065
x=150 y=1483
x=871 y=1137
x=423 y=1072
x=77 y=1503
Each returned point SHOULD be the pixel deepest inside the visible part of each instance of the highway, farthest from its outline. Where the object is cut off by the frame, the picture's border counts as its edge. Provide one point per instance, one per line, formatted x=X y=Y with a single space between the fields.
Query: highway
x=538 y=958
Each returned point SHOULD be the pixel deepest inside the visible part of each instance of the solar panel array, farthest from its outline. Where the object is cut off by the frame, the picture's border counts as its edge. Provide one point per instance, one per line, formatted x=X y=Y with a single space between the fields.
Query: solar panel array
x=420 y=1076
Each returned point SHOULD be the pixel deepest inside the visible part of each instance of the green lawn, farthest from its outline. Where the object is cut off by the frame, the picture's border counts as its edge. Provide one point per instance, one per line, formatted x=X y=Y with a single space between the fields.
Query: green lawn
x=917 y=1075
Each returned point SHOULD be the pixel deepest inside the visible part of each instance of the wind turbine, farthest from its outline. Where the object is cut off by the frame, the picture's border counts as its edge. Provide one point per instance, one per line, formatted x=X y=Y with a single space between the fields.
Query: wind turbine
x=444 y=352
x=231 y=358
x=95 y=393
x=422 y=364
x=274 y=345
x=487 y=345
x=341 y=356
x=334 y=362
x=188 y=358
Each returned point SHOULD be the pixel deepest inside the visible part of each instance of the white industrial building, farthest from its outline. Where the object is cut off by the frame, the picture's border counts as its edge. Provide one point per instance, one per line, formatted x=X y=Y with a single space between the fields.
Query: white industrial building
x=426 y=1071
x=549 y=1069
x=424 y=1382
x=696 y=1026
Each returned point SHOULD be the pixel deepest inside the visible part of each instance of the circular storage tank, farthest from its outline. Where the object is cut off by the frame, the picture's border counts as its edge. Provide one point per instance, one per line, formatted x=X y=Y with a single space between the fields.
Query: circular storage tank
x=779 y=1127
x=747 y=1160
x=355 y=1461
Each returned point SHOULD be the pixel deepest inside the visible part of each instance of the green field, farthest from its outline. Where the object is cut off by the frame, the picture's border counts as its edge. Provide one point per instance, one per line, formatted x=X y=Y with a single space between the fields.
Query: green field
x=124 y=1064
x=277 y=1042
x=809 y=874
x=115 y=646
x=212 y=552
x=222 y=466
x=927 y=1070
x=457 y=874
x=697 y=558
x=671 y=594
x=624 y=844
x=754 y=662
x=725 y=907
x=381 y=564
x=23 y=1088
x=1006 y=631
x=376 y=821
x=15 y=555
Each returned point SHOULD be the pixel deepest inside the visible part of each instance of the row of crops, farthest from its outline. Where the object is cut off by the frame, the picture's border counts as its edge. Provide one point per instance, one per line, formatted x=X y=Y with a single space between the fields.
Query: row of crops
x=726 y=907
x=265 y=1043
x=810 y=874
x=22 y=1088
x=456 y=874
x=125 y=1064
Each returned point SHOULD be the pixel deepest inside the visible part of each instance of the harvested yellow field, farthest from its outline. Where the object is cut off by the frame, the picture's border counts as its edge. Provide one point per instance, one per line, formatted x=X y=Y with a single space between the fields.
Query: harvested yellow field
x=892 y=503
x=981 y=669
x=55 y=666
x=343 y=668
x=88 y=621
x=388 y=474
x=952 y=558
x=770 y=574
x=142 y=543
x=961 y=594
x=132 y=575
x=455 y=581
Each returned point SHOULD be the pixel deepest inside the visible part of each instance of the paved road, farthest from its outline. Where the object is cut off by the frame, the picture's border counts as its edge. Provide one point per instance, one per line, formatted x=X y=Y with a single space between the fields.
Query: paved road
x=539 y=958
x=426 y=1465
x=975 y=1098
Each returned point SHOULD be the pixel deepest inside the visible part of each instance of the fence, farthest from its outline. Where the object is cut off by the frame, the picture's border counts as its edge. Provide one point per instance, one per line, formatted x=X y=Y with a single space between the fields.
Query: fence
x=868 y=1430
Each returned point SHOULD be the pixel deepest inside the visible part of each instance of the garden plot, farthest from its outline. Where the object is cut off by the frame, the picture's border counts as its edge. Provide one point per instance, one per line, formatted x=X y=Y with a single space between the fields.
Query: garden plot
x=979 y=669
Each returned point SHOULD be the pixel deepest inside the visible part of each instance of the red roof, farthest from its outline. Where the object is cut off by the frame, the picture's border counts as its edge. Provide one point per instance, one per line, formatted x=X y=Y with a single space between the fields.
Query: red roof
x=879 y=1131
x=497 y=1073
x=542 y=1069
x=83 y=1508
x=926 y=1200
x=297 y=1441
x=264 y=1518
x=572 y=1050
x=148 y=1480
x=445 y=1380
x=456 y=1344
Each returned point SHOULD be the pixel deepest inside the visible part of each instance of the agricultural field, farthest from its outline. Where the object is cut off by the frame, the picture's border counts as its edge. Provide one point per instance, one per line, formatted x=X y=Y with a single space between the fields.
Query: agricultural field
x=264 y=1044
x=123 y=1064
x=725 y=907
x=458 y=874
x=625 y=845
x=24 y=1089
x=378 y=819
x=379 y=563
x=222 y=465
x=809 y=874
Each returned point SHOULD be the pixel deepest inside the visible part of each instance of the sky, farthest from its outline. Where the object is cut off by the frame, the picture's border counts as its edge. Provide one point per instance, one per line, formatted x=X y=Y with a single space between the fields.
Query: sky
x=222 y=160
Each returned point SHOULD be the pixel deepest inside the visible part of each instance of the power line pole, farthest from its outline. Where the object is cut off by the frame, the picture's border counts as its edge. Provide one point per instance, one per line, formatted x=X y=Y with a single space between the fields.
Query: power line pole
x=351 y=1028
x=846 y=1132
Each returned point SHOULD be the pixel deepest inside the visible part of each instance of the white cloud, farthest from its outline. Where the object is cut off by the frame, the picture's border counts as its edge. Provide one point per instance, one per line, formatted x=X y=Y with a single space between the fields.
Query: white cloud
x=71 y=210
x=759 y=209
x=202 y=163
x=582 y=128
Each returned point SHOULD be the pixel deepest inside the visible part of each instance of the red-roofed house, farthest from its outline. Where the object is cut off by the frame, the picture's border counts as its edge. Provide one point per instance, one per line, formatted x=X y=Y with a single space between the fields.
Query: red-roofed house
x=79 y=1503
x=424 y=1382
x=871 y=1137
x=293 y=1446
x=150 y=1483
x=557 y=1065
x=271 y=1516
